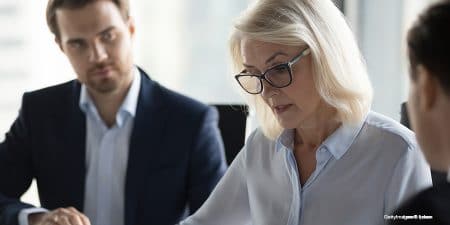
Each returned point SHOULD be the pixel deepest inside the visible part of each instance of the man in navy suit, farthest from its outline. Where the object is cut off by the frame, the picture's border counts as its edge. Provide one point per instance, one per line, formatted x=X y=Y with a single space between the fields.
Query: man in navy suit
x=429 y=110
x=112 y=147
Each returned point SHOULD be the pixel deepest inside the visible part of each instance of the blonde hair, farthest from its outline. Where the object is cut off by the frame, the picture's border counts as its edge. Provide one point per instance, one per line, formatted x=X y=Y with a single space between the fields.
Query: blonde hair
x=340 y=73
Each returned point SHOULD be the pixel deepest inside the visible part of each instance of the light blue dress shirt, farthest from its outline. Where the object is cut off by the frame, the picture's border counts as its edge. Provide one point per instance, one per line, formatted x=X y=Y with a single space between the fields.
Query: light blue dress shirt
x=106 y=159
x=362 y=173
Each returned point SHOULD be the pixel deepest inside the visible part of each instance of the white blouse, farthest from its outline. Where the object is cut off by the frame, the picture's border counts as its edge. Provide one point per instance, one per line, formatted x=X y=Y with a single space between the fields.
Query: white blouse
x=362 y=173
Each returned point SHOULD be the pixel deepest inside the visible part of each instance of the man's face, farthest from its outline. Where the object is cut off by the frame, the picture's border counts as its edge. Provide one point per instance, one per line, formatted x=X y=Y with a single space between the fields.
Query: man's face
x=417 y=118
x=427 y=113
x=98 y=42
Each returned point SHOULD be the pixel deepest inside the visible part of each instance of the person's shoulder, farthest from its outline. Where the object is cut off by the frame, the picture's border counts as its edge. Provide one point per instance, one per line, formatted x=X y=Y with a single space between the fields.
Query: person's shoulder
x=171 y=99
x=434 y=202
x=180 y=102
x=53 y=91
x=390 y=131
x=257 y=137
x=429 y=196
x=437 y=196
x=258 y=143
x=49 y=96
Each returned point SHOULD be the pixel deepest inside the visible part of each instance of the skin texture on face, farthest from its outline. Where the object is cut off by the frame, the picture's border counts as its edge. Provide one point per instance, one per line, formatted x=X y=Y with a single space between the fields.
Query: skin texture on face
x=428 y=110
x=295 y=104
x=98 y=42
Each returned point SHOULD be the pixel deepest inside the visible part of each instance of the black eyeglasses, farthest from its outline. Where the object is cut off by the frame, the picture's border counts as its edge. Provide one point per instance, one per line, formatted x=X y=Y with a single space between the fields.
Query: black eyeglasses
x=279 y=76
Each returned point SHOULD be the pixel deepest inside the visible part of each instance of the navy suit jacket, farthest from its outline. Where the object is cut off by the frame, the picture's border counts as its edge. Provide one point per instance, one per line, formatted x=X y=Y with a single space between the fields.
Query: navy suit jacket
x=175 y=154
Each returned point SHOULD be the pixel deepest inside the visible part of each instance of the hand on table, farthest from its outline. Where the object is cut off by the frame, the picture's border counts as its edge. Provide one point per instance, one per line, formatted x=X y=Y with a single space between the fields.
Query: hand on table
x=60 y=216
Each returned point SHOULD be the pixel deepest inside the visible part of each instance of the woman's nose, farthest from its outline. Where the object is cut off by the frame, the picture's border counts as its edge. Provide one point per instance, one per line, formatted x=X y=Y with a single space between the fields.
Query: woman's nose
x=268 y=90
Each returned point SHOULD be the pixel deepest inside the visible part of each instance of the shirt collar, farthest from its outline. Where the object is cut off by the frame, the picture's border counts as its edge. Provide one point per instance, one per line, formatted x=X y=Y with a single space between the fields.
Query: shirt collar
x=286 y=139
x=128 y=106
x=340 y=140
x=337 y=143
x=130 y=103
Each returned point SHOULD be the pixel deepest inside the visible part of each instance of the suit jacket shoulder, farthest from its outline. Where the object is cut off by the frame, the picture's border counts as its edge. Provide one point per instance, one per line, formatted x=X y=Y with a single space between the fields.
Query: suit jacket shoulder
x=180 y=111
x=54 y=98
x=180 y=103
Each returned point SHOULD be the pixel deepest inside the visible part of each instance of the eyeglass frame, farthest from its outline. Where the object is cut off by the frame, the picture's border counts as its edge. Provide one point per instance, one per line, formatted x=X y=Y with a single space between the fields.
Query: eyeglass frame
x=261 y=77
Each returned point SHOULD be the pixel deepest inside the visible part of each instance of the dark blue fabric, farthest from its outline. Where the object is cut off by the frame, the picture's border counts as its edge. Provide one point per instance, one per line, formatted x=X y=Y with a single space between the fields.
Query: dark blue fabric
x=434 y=201
x=175 y=157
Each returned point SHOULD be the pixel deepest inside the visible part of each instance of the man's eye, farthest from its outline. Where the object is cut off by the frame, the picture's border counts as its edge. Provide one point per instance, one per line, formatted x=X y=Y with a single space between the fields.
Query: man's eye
x=108 y=36
x=76 y=45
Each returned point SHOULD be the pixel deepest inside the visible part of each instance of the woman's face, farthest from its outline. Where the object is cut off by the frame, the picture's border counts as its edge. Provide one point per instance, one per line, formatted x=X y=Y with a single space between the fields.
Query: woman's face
x=295 y=104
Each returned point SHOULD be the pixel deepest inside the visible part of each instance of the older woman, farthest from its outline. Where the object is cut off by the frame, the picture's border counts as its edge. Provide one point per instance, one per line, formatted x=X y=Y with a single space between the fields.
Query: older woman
x=320 y=155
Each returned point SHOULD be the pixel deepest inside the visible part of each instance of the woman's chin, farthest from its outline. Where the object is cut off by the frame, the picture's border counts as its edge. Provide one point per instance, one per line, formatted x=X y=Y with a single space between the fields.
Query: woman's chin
x=286 y=124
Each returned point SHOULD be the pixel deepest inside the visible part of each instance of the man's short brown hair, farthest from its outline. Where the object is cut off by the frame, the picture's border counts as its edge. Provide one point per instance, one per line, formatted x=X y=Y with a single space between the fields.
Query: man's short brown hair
x=53 y=5
x=429 y=43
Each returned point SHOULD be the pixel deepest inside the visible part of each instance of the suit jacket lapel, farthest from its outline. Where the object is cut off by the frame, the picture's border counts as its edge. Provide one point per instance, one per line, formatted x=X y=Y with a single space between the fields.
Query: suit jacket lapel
x=144 y=143
x=67 y=153
x=75 y=154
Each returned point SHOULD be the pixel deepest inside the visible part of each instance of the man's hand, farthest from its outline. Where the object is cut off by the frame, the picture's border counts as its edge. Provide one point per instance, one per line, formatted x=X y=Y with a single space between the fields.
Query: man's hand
x=60 y=216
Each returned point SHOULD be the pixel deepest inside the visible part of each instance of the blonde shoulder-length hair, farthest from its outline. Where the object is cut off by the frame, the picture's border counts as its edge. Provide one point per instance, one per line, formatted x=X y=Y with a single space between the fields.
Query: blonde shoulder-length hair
x=341 y=77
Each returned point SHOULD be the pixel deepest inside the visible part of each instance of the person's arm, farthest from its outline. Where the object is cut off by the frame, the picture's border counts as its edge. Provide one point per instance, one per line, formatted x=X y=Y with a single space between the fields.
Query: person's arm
x=15 y=168
x=25 y=214
x=16 y=174
x=229 y=202
x=411 y=175
x=207 y=162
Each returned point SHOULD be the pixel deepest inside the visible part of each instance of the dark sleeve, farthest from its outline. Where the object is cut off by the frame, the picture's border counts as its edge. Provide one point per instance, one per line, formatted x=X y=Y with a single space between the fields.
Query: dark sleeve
x=15 y=169
x=207 y=162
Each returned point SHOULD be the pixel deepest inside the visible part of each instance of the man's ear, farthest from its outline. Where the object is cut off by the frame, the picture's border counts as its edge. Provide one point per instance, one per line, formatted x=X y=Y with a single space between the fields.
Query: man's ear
x=58 y=42
x=428 y=87
x=131 y=26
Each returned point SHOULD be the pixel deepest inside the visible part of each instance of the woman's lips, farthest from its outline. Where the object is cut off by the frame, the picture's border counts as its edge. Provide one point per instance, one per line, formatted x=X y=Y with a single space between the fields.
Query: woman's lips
x=281 y=108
